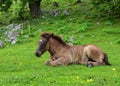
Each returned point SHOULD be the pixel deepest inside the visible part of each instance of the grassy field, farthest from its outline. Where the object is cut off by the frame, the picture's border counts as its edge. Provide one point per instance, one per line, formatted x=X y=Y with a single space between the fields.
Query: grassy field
x=20 y=67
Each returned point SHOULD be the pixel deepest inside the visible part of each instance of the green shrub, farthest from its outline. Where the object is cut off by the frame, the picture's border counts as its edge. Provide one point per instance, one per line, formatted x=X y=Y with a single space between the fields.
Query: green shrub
x=106 y=8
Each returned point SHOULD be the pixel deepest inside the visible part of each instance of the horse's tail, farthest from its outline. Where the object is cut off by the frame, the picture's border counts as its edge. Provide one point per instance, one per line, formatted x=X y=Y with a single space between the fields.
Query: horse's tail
x=106 y=59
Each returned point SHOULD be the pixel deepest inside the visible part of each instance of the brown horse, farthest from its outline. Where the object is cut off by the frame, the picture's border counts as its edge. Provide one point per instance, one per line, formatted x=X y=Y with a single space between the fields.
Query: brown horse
x=64 y=54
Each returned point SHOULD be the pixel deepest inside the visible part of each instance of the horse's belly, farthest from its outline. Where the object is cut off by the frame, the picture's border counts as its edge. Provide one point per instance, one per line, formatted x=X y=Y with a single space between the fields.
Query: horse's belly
x=76 y=53
x=76 y=58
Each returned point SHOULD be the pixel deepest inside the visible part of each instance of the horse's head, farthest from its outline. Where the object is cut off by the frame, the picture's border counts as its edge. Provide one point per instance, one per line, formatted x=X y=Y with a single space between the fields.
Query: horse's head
x=43 y=44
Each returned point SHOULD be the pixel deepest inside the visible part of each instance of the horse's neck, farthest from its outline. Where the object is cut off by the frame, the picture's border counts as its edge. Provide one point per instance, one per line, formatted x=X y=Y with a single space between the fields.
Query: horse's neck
x=55 y=47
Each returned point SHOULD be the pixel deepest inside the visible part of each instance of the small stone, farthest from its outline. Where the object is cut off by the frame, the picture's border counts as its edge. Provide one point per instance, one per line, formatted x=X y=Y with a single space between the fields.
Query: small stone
x=1 y=43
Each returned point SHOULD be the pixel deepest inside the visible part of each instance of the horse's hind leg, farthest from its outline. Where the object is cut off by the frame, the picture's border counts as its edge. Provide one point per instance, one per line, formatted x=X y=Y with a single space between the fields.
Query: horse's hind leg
x=96 y=63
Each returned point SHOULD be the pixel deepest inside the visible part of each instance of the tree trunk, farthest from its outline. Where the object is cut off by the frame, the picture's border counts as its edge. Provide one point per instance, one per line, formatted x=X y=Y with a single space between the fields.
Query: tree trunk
x=35 y=10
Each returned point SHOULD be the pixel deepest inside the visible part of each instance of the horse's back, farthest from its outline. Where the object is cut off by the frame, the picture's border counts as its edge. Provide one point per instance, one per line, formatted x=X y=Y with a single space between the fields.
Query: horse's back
x=92 y=47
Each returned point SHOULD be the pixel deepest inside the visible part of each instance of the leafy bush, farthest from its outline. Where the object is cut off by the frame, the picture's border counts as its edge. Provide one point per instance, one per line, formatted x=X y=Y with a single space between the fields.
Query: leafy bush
x=5 y=4
x=12 y=10
x=106 y=8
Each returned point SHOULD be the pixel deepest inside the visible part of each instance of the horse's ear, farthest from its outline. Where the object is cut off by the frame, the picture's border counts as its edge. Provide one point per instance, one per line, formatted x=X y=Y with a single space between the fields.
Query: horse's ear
x=47 y=35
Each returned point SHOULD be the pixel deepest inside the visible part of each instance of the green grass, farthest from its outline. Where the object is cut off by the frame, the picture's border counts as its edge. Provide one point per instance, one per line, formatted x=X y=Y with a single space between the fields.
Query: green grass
x=20 y=67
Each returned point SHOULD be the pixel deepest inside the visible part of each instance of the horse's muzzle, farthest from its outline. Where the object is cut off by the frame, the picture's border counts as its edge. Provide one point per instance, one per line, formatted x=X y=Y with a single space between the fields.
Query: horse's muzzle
x=38 y=54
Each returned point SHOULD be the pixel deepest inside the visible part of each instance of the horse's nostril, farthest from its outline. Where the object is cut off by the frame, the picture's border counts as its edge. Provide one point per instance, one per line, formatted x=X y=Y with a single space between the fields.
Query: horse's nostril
x=37 y=54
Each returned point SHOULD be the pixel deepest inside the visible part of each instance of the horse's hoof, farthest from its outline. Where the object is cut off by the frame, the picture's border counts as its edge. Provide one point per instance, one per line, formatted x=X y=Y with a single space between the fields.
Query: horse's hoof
x=47 y=62
x=89 y=65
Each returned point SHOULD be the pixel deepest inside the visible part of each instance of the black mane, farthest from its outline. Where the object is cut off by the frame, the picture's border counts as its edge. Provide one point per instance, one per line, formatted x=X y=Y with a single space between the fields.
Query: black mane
x=55 y=37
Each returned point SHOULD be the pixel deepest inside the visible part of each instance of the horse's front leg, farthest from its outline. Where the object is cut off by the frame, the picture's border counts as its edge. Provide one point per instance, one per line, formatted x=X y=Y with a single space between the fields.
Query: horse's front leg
x=60 y=61
x=48 y=61
x=52 y=58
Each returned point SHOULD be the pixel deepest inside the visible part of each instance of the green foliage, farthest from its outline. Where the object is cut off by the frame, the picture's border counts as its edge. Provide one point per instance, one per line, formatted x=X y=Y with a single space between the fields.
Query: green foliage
x=16 y=10
x=106 y=8
x=3 y=17
x=5 y=5
x=19 y=9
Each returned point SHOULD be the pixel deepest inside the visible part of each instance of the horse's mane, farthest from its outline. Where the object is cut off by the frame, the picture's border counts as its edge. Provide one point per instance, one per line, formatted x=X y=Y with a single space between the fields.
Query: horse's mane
x=55 y=37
